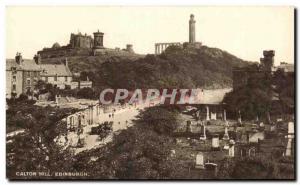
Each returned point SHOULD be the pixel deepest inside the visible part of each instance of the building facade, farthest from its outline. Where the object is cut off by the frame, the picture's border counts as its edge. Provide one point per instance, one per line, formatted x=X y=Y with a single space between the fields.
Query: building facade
x=58 y=75
x=79 y=44
x=21 y=76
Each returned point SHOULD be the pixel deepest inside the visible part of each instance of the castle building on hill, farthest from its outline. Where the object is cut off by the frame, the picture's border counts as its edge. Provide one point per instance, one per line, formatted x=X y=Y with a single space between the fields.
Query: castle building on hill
x=79 y=45
x=81 y=41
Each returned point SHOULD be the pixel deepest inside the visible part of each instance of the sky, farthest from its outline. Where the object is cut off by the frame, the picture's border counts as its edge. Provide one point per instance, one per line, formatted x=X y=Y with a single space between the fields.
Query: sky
x=242 y=31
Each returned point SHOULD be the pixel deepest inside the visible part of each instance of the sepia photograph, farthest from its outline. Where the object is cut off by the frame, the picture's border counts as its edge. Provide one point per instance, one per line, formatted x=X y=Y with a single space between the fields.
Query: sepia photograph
x=150 y=93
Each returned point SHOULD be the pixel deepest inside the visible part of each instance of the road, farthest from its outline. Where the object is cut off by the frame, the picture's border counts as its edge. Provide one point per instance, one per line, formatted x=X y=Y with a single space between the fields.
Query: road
x=122 y=119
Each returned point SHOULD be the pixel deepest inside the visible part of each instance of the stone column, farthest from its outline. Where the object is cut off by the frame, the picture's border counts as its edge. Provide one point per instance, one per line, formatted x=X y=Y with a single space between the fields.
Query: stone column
x=202 y=132
x=158 y=49
x=207 y=113
x=224 y=115
x=192 y=29
x=239 y=118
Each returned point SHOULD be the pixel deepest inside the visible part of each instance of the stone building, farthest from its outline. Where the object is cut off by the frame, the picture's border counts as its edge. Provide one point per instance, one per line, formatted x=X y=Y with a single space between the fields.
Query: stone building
x=98 y=40
x=161 y=47
x=58 y=74
x=287 y=68
x=21 y=76
x=241 y=75
x=129 y=48
x=79 y=44
x=81 y=41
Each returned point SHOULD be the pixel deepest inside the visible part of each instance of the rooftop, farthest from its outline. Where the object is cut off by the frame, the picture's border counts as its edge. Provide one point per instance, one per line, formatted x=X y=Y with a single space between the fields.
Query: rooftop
x=55 y=70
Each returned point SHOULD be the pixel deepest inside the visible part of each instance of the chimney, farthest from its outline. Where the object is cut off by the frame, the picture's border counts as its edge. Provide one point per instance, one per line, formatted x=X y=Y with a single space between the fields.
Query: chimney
x=18 y=58
x=37 y=59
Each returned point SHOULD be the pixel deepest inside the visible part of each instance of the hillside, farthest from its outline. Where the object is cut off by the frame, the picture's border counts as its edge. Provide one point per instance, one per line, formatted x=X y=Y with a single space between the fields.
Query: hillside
x=175 y=68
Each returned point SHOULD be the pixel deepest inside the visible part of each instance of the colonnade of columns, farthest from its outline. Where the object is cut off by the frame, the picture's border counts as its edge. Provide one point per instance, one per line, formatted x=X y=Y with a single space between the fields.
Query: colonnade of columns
x=160 y=47
x=209 y=117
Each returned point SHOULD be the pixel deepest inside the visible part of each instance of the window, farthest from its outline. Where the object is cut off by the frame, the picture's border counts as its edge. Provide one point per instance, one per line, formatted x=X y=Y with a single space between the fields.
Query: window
x=55 y=78
x=14 y=87
x=66 y=78
x=28 y=81
x=14 y=78
x=14 y=70
x=46 y=79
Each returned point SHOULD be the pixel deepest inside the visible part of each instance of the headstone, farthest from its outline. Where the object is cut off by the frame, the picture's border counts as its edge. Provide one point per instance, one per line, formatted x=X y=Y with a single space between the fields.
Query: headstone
x=188 y=126
x=199 y=161
x=215 y=143
x=213 y=116
x=291 y=128
x=173 y=153
x=290 y=137
x=226 y=146
x=226 y=136
x=288 y=151
x=202 y=131
x=231 y=148
x=272 y=128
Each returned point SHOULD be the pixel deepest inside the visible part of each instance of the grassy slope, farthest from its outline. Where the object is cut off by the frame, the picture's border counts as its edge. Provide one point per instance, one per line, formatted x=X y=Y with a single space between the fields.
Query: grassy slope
x=204 y=67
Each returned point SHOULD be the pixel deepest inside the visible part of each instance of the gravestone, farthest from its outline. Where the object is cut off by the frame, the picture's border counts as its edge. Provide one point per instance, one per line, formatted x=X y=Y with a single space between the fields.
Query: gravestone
x=290 y=138
x=226 y=136
x=213 y=116
x=202 y=131
x=231 y=148
x=215 y=143
x=200 y=161
x=188 y=126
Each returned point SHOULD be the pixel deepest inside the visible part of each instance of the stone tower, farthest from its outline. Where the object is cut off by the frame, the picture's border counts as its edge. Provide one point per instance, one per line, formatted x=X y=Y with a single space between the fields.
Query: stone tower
x=98 y=40
x=192 y=34
x=267 y=62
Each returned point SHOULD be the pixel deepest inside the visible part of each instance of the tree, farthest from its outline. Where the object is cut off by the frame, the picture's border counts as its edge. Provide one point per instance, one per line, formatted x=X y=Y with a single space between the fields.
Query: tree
x=250 y=102
x=87 y=93
x=158 y=119
x=36 y=149
x=138 y=152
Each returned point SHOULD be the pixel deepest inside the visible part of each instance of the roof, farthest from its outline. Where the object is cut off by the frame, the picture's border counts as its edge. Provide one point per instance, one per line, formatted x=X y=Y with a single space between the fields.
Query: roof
x=26 y=65
x=55 y=70
x=213 y=96
x=46 y=69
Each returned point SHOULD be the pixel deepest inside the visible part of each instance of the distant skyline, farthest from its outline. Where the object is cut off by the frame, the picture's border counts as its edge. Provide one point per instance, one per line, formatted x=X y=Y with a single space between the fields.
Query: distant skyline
x=242 y=31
